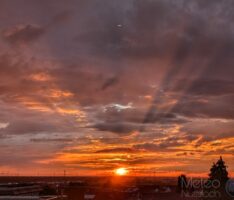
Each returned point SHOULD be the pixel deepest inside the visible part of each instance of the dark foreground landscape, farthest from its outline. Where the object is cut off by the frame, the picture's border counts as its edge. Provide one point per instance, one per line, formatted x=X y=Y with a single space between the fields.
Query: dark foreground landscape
x=102 y=188
x=79 y=188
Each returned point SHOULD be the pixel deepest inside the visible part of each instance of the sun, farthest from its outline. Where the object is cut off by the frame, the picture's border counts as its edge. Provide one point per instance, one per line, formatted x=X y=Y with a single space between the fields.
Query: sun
x=121 y=171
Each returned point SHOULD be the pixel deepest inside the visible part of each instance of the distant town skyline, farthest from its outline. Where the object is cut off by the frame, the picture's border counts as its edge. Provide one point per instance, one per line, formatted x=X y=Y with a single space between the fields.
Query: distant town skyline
x=93 y=86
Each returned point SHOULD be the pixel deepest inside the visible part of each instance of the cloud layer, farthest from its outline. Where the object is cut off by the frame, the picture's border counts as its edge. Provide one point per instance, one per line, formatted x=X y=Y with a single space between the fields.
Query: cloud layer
x=96 y=85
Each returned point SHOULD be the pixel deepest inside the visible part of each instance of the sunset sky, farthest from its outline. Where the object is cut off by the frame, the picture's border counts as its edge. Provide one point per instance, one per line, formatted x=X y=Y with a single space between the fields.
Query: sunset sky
x=89 y=86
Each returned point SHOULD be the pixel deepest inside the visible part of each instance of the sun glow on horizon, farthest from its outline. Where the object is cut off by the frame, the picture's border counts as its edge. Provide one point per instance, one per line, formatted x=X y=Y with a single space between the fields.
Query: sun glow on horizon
x=121 y=171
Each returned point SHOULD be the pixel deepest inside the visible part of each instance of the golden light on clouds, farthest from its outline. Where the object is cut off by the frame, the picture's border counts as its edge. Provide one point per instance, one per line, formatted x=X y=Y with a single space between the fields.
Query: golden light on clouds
x=41 y=77
x=118 y=98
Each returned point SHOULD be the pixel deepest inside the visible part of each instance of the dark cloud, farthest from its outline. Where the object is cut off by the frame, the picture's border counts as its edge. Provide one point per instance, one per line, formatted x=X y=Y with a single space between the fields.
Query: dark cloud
x=118 y=128
x=48 y=140
x=23 y=33
x=219 y=128
x=205 y=107
x=118 y=150
x=162 y=146
x=207 y=87
x=167 y=144
x=134 y=115
x=109 y=82
x=62 y=17
x=32 y=126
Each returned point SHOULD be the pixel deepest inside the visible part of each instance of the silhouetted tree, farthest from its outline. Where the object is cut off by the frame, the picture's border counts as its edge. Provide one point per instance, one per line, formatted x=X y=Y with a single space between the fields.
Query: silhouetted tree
x=219 y=172
x=182 y=183
x=212 y=171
